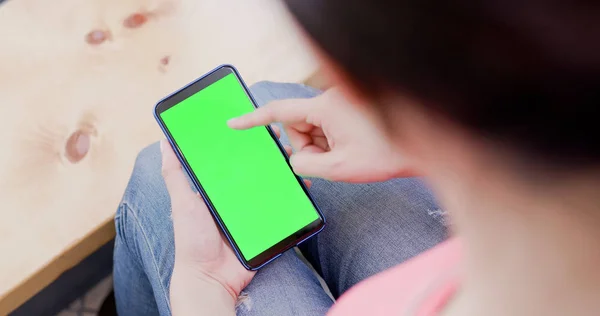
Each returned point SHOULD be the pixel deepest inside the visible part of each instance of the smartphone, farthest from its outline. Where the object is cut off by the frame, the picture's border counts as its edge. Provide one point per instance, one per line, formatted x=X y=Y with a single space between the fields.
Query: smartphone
x=244 y=176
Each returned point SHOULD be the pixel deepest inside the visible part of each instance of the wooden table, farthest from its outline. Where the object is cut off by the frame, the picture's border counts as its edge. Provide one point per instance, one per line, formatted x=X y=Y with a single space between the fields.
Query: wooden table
x=78 y=80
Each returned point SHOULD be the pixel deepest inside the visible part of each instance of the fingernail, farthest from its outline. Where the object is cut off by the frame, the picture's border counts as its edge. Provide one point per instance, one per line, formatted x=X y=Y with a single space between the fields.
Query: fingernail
x=162 y=145
x=232 y=121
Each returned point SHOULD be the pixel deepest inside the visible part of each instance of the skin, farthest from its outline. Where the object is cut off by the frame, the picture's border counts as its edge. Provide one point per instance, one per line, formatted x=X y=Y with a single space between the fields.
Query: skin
x=530 y=239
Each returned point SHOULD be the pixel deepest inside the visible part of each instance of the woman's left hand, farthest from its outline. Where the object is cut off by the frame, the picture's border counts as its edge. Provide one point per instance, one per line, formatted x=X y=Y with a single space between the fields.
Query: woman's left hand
x=202 y=254
x=206 y=270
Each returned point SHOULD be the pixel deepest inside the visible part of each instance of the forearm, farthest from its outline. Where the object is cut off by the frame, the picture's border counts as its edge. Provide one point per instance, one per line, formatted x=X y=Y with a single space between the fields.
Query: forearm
x=193 y=295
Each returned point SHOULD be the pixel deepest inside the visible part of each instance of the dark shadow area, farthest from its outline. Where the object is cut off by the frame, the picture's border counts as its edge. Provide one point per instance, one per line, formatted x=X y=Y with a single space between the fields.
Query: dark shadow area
x=70 y=285
x=109 y=307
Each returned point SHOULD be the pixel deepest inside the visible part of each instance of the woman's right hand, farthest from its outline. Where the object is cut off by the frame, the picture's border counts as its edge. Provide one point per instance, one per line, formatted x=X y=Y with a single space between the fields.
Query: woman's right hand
x=332 y=138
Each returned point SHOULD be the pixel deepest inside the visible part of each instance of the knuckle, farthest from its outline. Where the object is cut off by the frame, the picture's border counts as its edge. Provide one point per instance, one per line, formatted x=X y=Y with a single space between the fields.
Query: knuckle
x=274 y=104
x=336 y=168
x=267 y=112
x=168 y=172
x=171 y=174
x=165 y=172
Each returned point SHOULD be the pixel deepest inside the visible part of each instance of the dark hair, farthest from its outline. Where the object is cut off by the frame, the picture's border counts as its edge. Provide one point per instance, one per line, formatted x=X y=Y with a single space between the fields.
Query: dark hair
x=526 y=73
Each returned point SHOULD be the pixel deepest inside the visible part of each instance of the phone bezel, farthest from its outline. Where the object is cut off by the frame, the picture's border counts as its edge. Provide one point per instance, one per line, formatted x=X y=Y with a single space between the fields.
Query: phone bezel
x=275 y=251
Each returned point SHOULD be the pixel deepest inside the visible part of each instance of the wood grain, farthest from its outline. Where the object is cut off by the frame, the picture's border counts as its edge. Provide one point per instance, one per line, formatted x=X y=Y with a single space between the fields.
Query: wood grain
x=78 y=80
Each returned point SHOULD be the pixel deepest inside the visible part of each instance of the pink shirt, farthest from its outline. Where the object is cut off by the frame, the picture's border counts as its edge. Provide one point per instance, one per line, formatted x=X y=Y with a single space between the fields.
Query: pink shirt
x=421 y=286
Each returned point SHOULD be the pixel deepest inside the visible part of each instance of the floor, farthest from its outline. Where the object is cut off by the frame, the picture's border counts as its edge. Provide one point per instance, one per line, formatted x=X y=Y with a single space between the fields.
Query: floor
x=89 y=304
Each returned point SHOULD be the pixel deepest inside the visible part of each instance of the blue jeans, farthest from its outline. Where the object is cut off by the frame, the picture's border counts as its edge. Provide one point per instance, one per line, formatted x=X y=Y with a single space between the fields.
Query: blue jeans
x=370 y=227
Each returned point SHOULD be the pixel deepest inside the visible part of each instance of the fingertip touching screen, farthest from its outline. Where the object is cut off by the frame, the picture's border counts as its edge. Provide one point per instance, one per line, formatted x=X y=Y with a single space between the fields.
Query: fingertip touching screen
x=242 y=172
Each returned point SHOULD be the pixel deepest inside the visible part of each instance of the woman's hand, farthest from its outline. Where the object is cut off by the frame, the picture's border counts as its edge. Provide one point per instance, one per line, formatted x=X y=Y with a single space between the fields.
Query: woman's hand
x=204 y=261
x=333 y=138
x=207 y=276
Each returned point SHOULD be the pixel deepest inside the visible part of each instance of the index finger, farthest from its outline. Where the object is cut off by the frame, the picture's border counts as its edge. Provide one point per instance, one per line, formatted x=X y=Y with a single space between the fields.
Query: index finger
x=284 y=111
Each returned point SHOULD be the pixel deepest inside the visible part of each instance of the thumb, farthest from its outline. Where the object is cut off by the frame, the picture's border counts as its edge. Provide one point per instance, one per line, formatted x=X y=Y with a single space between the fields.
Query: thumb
x=175 y=179
x=312 y=164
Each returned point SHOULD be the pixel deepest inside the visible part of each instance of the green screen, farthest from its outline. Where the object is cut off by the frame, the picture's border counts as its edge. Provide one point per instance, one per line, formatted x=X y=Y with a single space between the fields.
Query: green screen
x=243 y=173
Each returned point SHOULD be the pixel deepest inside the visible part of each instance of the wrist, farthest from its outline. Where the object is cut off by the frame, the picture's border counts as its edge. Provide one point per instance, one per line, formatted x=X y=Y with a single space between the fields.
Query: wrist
x=195 y=293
